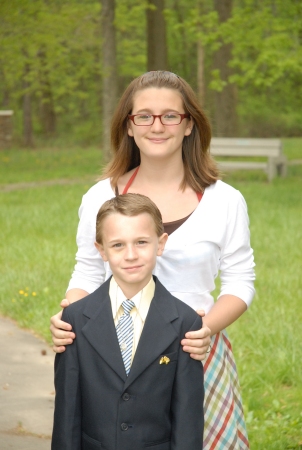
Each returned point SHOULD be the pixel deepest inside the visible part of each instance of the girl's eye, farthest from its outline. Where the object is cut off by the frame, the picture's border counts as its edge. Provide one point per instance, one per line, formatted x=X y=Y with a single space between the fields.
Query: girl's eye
x=170 y=116
x=144 y=116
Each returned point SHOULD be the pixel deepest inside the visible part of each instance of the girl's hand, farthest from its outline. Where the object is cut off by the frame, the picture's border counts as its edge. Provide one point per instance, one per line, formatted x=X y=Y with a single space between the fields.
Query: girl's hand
x=61 y=331
x=197 y=342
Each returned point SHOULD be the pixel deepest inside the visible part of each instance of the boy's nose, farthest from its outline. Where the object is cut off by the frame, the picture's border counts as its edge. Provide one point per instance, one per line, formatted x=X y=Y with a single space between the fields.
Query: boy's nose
x=131 y=252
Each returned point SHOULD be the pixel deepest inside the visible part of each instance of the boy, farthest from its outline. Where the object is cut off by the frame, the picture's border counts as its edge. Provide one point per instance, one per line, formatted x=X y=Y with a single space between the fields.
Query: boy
x=126 y=383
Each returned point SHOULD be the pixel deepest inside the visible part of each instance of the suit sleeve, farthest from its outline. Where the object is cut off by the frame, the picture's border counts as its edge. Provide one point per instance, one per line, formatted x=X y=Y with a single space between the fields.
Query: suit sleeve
x=67 y=416
x=187 y=401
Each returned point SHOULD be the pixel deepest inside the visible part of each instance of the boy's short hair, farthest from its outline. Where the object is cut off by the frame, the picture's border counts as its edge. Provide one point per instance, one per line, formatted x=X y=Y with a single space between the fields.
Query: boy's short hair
x=129 y=205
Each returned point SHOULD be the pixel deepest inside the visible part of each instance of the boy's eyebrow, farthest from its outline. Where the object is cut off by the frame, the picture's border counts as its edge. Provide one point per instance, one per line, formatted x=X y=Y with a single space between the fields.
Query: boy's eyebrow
x=137 y=238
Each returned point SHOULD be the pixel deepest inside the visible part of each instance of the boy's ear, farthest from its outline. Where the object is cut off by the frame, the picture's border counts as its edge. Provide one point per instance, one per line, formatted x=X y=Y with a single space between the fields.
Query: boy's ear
x=101 y=251
x=161 y=243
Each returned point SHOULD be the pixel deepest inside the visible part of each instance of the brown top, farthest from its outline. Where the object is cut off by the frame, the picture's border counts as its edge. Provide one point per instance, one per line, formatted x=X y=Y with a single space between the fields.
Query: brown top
x=169 y=227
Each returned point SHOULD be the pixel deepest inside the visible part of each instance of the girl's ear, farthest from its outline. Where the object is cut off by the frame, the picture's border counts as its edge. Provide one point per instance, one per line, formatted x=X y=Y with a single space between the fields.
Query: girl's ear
x=130 y=132
x=101 y=251
x=189 y=127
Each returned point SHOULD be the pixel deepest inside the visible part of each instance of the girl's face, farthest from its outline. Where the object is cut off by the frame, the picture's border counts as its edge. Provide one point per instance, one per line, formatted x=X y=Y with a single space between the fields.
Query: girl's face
x=158 y=140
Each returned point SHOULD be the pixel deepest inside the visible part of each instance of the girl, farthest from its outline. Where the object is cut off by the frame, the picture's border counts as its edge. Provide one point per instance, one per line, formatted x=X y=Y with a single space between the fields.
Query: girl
x=160 y=140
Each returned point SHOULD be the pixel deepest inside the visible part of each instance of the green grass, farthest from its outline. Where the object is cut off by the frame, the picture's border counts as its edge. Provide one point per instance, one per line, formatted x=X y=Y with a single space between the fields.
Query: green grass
x=267 y=340
x=37 y=256
x=37 y=251
x=292 y=148
x=49 y=164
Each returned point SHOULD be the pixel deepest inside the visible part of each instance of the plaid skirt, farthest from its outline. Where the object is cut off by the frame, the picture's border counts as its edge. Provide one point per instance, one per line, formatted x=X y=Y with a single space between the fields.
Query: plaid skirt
x=224 y=420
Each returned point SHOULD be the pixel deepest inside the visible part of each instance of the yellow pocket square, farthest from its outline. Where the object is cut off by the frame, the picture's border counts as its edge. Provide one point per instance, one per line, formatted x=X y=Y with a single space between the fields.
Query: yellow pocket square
x=164 y=360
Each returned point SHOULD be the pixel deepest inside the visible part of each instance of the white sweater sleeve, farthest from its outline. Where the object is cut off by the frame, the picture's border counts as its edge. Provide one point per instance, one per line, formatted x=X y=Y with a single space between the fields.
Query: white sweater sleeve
x=90 y=271
x=237 y=261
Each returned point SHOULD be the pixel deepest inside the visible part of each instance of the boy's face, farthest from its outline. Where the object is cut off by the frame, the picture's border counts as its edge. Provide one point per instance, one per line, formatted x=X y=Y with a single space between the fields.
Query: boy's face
x=130 y=245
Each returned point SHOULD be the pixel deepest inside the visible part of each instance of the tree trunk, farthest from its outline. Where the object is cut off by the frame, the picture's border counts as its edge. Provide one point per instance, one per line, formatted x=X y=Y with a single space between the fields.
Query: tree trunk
x=156 y=36
x=110 y=79
x=226 y=100
x=201 y=88
x=27 y=114
x=201 y=84
x=48 y=115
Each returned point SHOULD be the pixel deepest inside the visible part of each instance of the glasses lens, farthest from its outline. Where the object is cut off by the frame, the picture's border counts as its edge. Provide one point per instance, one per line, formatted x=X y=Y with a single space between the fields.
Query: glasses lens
x=143 y=119
x=171 y=119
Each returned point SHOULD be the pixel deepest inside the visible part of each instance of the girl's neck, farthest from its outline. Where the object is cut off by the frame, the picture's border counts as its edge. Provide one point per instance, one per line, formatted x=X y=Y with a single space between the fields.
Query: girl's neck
x=161 y=172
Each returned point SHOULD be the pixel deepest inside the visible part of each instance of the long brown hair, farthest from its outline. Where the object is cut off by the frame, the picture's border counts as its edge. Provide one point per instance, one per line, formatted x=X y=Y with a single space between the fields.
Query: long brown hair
x=199 y=167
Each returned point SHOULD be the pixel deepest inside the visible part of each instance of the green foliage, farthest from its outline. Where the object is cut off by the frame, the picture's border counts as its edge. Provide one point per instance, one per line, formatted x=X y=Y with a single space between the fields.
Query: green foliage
x=130 y=25
x=266 y=41
x=52 y=50
x=55 y=47
x=267 y=58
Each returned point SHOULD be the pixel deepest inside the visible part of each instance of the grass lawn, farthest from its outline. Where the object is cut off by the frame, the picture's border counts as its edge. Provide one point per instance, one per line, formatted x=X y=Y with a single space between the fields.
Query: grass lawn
x=37 y=256
x=49 y=164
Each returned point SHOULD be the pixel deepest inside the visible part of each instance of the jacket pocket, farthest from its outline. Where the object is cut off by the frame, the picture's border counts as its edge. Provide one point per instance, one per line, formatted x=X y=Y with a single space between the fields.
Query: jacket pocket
x=161 y=445
x=172 y=356
x=88 y=443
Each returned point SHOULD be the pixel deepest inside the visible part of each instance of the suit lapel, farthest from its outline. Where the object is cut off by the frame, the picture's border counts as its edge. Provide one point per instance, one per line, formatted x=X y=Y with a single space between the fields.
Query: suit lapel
x=158 y=332
x=100 y=330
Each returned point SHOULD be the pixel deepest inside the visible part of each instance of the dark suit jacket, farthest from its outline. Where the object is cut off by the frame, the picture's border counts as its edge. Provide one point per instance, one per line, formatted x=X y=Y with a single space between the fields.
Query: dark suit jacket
x=157 y=407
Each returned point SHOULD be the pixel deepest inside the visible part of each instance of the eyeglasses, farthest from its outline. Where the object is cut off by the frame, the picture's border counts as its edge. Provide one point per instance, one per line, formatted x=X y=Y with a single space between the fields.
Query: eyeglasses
x=166 y=119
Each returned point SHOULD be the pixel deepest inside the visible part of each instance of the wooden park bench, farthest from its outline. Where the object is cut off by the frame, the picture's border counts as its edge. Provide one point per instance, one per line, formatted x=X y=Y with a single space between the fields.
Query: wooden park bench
x=237 y=149
x=6 y=129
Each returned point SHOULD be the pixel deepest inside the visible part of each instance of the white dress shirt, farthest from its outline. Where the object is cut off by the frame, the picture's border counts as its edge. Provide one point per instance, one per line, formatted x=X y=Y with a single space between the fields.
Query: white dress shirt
x=142 y=301
x=214 y=240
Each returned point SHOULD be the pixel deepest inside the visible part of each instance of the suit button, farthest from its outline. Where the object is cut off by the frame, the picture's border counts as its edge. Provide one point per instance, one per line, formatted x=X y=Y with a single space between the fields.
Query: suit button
x=126 y=397
x=124 y=427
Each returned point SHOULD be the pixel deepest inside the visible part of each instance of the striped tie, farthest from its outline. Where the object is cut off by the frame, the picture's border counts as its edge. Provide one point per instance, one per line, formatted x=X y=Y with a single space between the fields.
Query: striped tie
x=124 y=331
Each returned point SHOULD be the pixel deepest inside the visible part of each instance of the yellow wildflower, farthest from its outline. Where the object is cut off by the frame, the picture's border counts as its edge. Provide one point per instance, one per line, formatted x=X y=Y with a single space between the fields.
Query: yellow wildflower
x=21 y=292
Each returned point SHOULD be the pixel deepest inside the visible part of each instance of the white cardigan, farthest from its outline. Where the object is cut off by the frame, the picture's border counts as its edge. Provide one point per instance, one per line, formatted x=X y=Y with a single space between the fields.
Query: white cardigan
x=215 y=238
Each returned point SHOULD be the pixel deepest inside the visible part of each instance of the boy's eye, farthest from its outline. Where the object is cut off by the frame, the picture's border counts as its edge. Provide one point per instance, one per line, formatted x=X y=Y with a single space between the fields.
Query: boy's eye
x=142 y=242
x=117 y=245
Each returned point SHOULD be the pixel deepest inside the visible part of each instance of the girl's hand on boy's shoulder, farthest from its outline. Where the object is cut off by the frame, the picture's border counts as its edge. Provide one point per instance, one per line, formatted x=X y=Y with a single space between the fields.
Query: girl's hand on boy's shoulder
x=197 y=342
x=61 y=331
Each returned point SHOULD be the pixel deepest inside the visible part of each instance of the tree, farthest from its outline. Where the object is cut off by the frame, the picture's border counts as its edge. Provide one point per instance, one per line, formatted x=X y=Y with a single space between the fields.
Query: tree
x=55 y=48
x=51 y=61
x=202 y=10
x=48 y=115
x=157 y=57
x=109 y=96
x=27 y=111
x=225 y=98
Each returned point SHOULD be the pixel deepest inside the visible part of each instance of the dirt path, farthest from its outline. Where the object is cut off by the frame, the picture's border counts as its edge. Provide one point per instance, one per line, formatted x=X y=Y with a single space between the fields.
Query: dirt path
x=26 y=389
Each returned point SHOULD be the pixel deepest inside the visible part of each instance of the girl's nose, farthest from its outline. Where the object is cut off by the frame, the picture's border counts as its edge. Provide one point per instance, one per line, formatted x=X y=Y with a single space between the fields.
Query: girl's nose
x=157 y=125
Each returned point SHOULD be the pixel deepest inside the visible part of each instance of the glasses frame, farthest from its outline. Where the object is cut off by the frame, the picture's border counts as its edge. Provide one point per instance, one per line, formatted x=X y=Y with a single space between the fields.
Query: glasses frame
x=182 y=117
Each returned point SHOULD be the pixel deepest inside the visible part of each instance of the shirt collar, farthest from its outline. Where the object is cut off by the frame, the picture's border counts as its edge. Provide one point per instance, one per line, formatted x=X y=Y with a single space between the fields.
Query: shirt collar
x=142 y=299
